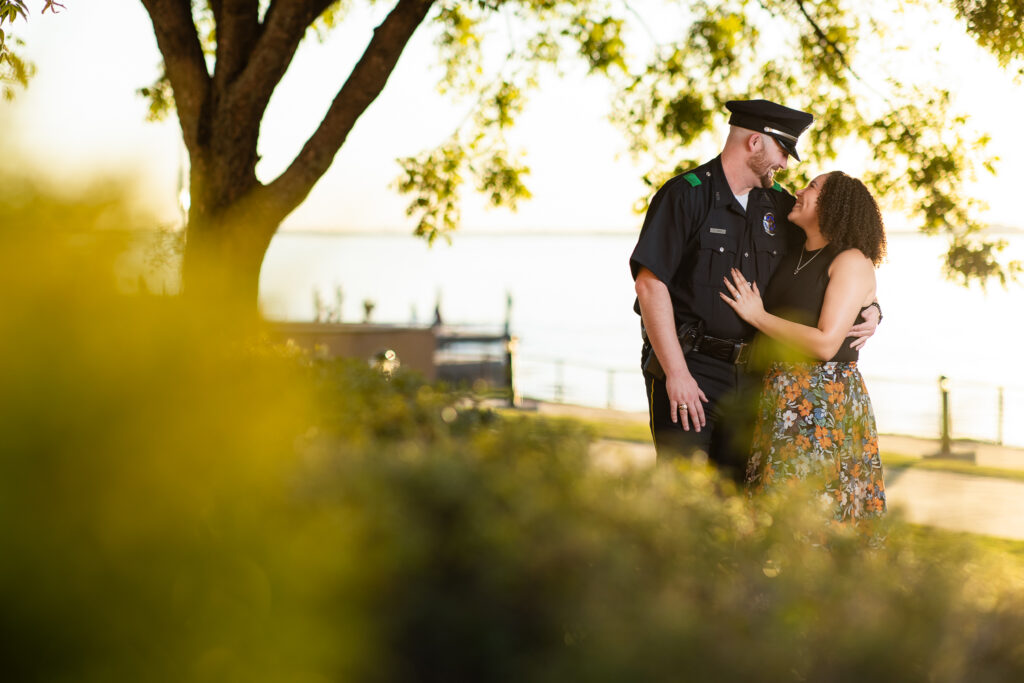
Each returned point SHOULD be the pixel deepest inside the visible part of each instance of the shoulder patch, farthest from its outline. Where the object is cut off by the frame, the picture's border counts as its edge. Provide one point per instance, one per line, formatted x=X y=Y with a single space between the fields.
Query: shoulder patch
x=777 y=187
x=692 y=179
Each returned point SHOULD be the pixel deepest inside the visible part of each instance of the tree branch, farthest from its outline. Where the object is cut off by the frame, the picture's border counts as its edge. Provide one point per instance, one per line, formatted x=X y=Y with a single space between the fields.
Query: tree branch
x=186 y=67
x=826 y=40
x=283 y=29
x=238 y=29
x=362 y=87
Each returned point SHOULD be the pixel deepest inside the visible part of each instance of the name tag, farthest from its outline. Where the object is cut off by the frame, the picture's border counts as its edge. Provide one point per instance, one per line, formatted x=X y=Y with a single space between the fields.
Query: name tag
x=719 y=231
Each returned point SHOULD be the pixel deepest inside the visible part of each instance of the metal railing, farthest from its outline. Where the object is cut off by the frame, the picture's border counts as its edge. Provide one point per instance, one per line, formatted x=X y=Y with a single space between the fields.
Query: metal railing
x=559 y=381
x=945 y=409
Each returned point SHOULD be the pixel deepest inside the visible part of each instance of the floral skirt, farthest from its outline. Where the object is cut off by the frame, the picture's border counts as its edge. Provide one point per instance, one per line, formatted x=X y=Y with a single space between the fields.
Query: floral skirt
x=815 y=422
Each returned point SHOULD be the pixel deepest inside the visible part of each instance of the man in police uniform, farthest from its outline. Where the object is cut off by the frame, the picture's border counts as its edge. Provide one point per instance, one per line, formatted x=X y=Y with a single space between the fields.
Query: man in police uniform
x=727 y=213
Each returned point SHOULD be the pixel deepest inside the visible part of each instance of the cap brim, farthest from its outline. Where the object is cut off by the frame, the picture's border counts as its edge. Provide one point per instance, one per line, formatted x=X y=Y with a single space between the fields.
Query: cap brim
x=787 y=145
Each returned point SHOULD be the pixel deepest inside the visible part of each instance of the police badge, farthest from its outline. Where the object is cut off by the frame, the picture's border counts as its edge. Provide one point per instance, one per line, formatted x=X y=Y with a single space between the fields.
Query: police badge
x=768 y=222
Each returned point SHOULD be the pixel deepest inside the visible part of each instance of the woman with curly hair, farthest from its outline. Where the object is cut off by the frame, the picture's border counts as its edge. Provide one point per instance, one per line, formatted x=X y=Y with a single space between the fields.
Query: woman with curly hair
x=814 y=418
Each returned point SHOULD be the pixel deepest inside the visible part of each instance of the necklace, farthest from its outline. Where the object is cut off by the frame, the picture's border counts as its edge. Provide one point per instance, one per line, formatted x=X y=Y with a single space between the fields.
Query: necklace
x=800 y=265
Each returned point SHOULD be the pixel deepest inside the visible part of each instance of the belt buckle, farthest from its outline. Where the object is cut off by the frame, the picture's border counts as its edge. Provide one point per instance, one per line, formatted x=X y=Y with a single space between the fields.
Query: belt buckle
x=740 y=353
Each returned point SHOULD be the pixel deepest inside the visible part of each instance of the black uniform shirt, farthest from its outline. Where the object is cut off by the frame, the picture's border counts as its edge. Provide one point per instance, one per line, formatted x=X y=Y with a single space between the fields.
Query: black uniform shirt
x=696 y=230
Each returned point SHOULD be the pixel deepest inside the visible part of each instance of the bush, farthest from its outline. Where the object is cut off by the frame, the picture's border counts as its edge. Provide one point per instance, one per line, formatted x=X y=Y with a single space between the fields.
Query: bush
x=179 y=503
x=503 y=559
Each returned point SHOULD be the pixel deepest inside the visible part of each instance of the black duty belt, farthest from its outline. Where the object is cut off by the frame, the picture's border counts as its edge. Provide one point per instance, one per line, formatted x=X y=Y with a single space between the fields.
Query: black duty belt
x=735 y=351
x=692 y=340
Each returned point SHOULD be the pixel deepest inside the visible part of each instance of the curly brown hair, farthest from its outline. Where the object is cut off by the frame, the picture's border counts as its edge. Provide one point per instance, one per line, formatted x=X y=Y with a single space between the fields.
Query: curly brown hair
x=849 y=217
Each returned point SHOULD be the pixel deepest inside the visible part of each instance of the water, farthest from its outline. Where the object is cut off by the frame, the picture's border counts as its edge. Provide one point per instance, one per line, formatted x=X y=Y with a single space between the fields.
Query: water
x=579 y=338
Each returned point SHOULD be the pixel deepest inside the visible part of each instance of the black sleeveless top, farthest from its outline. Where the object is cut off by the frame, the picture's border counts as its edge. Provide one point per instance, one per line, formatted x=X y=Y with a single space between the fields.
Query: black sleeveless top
x=797 y=291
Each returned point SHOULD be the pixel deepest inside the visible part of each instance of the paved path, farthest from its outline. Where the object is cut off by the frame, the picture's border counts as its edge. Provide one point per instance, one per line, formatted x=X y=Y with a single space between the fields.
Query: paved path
x=960 y=502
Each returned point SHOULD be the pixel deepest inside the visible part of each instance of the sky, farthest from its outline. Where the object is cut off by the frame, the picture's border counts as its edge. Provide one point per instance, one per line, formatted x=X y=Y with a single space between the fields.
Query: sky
x=81 y=117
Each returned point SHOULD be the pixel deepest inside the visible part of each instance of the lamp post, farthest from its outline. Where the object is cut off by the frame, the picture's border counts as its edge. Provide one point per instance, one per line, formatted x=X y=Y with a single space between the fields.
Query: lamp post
x=944 y=437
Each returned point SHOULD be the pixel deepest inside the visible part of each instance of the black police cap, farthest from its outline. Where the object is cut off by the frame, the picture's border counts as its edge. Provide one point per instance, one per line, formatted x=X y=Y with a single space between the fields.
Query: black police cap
x=782 y=123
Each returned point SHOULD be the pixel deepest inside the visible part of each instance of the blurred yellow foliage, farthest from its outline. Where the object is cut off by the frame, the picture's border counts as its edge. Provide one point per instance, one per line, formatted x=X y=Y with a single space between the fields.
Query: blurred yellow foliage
x=182 y=500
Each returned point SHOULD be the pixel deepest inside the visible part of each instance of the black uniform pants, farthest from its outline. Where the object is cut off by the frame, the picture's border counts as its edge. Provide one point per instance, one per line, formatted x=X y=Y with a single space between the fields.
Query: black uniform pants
x=731 y=411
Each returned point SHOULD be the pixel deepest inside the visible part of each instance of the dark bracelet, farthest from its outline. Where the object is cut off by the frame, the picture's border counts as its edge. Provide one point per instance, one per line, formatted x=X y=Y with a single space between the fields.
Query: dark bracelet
x=876 y=305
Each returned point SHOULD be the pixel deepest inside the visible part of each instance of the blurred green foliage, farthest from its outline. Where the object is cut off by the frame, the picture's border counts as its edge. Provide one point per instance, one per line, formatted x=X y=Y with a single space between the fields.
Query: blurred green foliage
x=15 y=70
x=995 y=25
x=179 y=503
x=672 y=65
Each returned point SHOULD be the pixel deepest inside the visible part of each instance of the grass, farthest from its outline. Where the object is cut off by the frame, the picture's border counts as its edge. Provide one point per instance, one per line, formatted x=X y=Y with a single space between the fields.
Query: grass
x=639 y=432
x=614 y=430
x=1009 y=549
x=900 y=461
x=622 y=431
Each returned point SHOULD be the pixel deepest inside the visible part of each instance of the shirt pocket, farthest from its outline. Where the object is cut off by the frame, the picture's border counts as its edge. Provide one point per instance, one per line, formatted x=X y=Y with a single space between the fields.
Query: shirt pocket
x=768 y=252
x=717 y=255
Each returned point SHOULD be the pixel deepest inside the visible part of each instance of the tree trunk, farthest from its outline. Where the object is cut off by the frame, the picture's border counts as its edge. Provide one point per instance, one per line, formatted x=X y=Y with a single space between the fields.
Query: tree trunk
x=227 y=238
x=224 y=248
x=222 y=263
